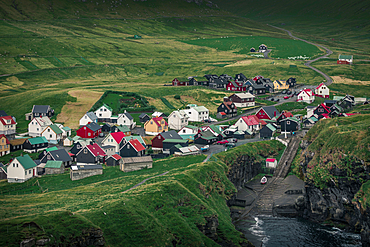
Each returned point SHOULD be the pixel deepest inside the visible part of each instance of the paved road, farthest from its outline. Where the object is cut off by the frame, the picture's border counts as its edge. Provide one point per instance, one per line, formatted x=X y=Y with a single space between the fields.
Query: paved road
x=308 y=63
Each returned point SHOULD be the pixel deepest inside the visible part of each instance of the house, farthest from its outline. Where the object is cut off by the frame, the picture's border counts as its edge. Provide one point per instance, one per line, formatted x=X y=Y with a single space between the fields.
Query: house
x=193 y=82
x=107 y=127
x=90 y=155
x=188 y=132
x=3 y=171
x=329 y=102
x=205 y=137
x=267 y=112
x=4 y=145
x=113 y=139
x=176 y=82
x=17 y=144
x=240 y=77
x=78 y=172
x=254 y=88
x=7 y=125
x=37 y=125
x=347 y=102
x=67 y=142
x=218 y=83
x=250 y=123
x=196 y=113
x=229 y=132
x=40 y=111
x=242 y=99
x=89 y=117
x=309 y=122
x=291 y=82
x=177 y=120
x=236 y=86
x=3 y=113
x=240 y=134
x=54 y=167
x=183 y=151
x=113 y=160
x=169 y=143
x=131 y=148
x=155 y=125
x=90 y=130
x=335 y=110
x=266 y=82
x=216 y=131
x=262 y=48
x=52 y=133
x=21 y=169
x=321 y=109
x=57 y=155
x=310 y=110
x=143 y=118
x=228 y=108
x=271 y=163
x=159 y=114
x=280 y=85
x=252 y=49
x=78 y=145
x=322 y=91
x=44 y=152
x=345 y=59
x=36 y=144
x=123 y=128
x=306 y=95
x=139 y=138
x=104 y=113
x=157 y=141
x=289 y=124
x=125 y=119
x=284 y=114
x=66 y=131
x=267 y=131
x=136 y=163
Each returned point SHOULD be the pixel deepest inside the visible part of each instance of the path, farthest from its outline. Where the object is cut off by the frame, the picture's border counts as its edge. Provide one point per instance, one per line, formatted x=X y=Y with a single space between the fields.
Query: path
x=133 y=187
x=308 y=63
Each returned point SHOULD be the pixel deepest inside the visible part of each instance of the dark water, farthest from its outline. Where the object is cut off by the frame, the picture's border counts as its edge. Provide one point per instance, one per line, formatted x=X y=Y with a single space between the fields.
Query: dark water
x=280 y=231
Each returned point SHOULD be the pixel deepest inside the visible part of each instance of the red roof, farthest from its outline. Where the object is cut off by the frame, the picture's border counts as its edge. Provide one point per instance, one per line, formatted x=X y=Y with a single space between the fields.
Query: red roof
x=7 y=141
x=137 y=145
x=351 y=114
x=96 y=150
x=270 y=160
x=286 y=114
x=116 y=157
x=222 y=113
x=262 y=122
x=250 y=120
x=118 y=136
x=158 y=120
x=327 y=109
x=71 y=154
x=321 y=84
x=4 y=122
x=325 y=115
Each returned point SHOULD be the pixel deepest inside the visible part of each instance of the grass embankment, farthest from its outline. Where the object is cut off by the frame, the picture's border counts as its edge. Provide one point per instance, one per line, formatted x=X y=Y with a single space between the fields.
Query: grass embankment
x=163 y=211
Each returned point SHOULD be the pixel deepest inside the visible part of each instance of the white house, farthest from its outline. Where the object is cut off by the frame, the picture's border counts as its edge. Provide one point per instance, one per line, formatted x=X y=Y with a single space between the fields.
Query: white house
x=52 y=133
x=104 y=112
x=243 y=99
x=66 y=131
x=37 y=125
x=247 y=123
x=177 y=120
x=306 y=95
x=188 y=130
x=21 y=169
x=89 y=117
x=271 y=163
x=196 y=113
x=126 y=119
x=310 y=110
x=7 y=125
x=67 y=142
x=345 y=59
x=113 y=139
x=322 y=91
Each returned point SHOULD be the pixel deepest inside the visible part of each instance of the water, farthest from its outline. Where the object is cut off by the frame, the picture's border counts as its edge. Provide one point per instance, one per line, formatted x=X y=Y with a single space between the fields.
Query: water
x=279 y=231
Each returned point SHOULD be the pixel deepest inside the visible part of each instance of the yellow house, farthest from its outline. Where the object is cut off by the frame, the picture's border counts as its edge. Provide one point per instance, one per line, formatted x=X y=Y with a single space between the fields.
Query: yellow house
x=280 y=85
x=155 y=126
x=4 y=145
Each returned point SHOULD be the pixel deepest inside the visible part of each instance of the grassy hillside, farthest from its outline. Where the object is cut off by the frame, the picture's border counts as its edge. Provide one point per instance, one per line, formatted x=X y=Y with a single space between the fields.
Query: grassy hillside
x=163 y=211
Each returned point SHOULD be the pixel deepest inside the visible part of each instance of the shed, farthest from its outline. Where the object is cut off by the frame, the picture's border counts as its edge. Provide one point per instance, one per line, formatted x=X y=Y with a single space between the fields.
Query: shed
x=143 y=118
x=114 y=160
x=267 y=131
x=136 y=163
x=271 y=163
x=3 y=171
x=54 y=167
x=83 y=171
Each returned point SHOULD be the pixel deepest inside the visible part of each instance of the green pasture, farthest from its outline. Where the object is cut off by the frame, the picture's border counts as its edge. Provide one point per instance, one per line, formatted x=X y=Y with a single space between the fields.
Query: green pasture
x=280 y=48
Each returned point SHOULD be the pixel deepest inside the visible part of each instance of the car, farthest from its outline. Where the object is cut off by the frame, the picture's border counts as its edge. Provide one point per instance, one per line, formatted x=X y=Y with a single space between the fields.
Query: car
x=288 y=92
x=230 y=145
x=286 y=97
x=277 y=100
x=231 y=140
x=272 y=99
x=222 y=142
x=283 y=92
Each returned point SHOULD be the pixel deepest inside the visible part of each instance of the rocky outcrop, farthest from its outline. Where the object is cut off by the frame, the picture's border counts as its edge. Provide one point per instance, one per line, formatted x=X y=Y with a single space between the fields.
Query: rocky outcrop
x=90 y=237
x=243 y=169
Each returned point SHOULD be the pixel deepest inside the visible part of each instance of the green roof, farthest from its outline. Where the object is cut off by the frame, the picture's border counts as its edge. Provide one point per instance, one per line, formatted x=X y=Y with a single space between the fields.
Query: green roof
x=176 y=140
x=123 y=128
x=313 y=119
x=239 y=132
x=178 y=146
x=139 y=138
x=37 y=140
x=5 y=168
x=51 y=149
x=26 y=161
x=291 y=119
x=53 y=164
x=215 y=128
x=271 y=127
x=66 y=128
x=345 y=56
x=108 y=107
x=247 y=131
x=55 y=129
x=191 y=127
x=188 y=136
x=337 y=98
x=69 y=138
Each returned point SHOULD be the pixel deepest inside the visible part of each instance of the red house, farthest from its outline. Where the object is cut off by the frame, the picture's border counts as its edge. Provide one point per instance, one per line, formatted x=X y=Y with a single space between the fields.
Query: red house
x=267 y=112
x=176 y=82
x=157 y=141
x=236 y=86
x=90 y=130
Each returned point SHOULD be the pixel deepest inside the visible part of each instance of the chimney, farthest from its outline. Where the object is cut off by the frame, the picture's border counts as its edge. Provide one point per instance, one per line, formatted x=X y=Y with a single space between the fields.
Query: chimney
x=125 y=111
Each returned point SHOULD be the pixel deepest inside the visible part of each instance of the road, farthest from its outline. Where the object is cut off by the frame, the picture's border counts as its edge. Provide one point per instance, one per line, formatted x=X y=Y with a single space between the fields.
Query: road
x=308 y=63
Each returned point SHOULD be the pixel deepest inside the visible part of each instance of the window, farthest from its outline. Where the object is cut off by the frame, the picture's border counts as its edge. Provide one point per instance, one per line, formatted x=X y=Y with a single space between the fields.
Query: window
x=151 y=122
x=288 y=122
x=16 y=165
x=128 y=146
x=78 y=146
x=101 y=109
x=51 y=136
x=89 y=134
x=37 y=129
x=105 y=109
x=159 y=137
x=48 y=130
x=13 y=164
x=85 y=151
x=85 y=117
x=25 y=173
x=48 y=157
x=183 y=131
x=29 y=171
x=162 y=122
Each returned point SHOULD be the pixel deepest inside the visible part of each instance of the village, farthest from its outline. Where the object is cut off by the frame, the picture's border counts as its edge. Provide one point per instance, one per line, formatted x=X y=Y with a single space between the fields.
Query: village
x=107 y=139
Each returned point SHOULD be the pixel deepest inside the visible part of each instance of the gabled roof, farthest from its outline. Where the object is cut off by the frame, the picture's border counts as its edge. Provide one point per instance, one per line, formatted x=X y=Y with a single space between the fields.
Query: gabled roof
x=270 y=111
x=60 y=154
x=16 y=142
x=307 y=91
x=139 y=138
x=180 y=114
x=7 y=141
x=40 y=108
x=250 y=120
x=271 y=127
x=128 y=115
x=157 y=121
x=43 y=121
x=176 y=140
x=55 y=128
x=321 y=84
x=244 y=95
x=3 y=113
x=270 y=160
x=115 y=157
x=191 y=127
x=291 y=119
x=95 y=149
x=345 y=56
x=37 y=140
x=107 y=106
x=4 y=120
x=26 y=161
x=93 y=126
x=53 y=164
x=286 y=114
x=123 y=128
x=51 y=149
x=143 y=115
x=118 y=136
x=200 y=108
x=137 y=145
x=170 y=135
x=208 y=134
x=91 y=115
x=130 y=160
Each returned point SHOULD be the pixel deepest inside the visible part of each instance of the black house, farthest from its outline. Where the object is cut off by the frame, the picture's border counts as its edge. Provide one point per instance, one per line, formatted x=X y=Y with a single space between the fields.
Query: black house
x=58 y=155
x=240 y=78
x=17 y=144
x=218 y=82
x=106 y=127
x=254 y=88
x=35 y=144
x=3 y=113
x=113 y=160
x=131 y=148
x=205 y=137
x=289 y=124
x=40 y=110
x=291 y=82
x=253 y=50
x=193 y=82
x=347 y=102
x=143 y=118
x=169 y=143
x=267 y=131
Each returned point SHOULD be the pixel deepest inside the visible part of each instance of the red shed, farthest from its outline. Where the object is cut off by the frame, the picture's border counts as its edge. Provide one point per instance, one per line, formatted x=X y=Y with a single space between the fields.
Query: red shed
x=90 y=130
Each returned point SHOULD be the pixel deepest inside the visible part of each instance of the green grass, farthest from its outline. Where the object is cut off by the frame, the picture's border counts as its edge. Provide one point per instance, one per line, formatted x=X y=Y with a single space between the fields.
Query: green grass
x=6 y=158
x=289 y=106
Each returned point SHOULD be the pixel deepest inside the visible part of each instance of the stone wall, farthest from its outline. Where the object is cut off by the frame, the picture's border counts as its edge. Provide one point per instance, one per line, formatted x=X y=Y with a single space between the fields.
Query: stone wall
x=80 y=174
x=50 y=171
x=135 y=166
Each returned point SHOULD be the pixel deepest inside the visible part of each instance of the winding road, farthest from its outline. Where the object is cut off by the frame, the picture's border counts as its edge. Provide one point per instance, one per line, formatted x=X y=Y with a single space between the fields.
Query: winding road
x=308 y=63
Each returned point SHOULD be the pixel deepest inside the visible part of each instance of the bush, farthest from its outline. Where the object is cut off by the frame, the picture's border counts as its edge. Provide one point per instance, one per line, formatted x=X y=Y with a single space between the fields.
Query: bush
x=177 y=96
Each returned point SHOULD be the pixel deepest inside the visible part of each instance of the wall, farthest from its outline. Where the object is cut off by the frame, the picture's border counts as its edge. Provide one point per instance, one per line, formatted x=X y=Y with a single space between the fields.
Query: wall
x=80 y=174
x=135 y=166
